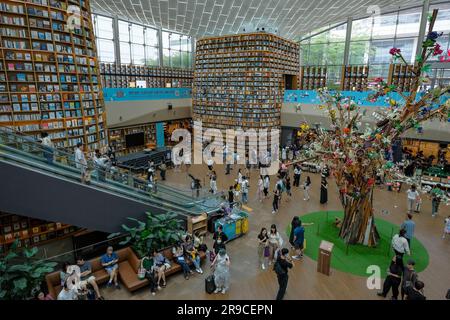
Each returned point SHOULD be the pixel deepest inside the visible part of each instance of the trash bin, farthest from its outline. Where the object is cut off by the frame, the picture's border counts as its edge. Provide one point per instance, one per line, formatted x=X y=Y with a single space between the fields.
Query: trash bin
x=324 y=260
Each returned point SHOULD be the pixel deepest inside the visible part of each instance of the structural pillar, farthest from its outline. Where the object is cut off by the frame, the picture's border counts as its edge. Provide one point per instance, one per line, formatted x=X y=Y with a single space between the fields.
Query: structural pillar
x=116 y=39
x=423 y=25
x=348 y=36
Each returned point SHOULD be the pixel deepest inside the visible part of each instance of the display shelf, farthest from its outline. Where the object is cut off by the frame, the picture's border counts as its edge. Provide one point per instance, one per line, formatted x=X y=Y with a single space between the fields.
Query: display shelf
x=198 y=224
x=126 y=76
x=428 y=148
x=41 y=58
x=354 y=78
x=239 y=80
x=117 y=138
x=313 y=77
x=401 y=76
x=30 y=231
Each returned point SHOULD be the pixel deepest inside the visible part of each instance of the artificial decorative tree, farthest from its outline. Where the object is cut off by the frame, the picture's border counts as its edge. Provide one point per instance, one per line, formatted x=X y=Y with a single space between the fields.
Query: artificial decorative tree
x=356 y=154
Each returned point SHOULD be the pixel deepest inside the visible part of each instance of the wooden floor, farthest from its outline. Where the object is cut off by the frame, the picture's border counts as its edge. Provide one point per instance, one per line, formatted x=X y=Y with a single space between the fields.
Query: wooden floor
x=248 y=281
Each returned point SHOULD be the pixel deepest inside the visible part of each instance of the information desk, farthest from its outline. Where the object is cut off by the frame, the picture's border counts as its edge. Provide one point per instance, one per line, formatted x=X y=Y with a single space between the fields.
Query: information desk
x=234 y=225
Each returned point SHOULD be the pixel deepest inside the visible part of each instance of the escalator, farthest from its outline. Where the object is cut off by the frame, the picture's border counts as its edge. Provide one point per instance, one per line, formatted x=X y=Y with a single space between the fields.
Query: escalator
x=30 y=186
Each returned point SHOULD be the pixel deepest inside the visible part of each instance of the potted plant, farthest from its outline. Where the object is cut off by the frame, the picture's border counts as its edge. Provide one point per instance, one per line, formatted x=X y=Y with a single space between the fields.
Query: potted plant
x=21 y=274
x=157 y=232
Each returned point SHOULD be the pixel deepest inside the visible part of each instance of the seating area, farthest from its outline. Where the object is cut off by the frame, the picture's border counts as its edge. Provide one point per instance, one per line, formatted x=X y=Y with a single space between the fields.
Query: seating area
x=128 y=268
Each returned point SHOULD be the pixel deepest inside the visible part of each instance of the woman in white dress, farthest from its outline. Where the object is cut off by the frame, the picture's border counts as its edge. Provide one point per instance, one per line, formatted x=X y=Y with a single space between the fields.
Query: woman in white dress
x=221 y=266
x=275 y=243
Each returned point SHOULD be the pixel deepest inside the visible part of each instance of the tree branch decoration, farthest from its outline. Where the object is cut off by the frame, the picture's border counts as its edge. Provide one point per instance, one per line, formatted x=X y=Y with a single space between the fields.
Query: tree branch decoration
x=355 y=153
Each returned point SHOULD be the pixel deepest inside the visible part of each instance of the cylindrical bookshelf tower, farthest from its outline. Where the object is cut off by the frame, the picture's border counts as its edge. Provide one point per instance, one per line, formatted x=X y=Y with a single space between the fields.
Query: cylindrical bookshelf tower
x=49 y=75
x=239 y=80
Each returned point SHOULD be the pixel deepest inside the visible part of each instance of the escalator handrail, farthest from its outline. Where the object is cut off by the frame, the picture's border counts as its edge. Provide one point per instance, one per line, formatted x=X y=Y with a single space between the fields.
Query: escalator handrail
x=91 y=164
x=130 y=192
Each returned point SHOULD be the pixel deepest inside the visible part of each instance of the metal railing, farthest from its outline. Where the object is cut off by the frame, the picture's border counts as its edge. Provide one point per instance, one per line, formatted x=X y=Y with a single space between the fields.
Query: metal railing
x=27 y=151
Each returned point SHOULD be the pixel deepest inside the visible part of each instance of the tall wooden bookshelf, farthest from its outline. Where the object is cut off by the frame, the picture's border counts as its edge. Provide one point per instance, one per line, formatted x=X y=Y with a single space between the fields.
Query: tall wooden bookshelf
x=49 y=74
x=401 y=76
x=126 y=76
x=313 y=77
x=354 y=77
x=30 y=231
x=239 y=80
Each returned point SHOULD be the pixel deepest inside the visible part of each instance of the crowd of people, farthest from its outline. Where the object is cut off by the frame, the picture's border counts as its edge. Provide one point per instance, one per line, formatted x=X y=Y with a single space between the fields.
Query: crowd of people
x=401 y=279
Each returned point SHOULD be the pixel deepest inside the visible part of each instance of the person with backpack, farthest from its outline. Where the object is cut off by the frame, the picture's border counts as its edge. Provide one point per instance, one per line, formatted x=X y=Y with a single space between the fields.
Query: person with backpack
x=281 y=267
x=409 y=278
x=416 y=292
x=299 y=238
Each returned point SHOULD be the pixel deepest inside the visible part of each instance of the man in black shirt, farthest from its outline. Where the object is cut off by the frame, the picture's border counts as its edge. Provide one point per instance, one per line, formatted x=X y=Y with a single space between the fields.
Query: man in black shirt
x=415 y=293
x=393 y=278
x=281 y=267
x=220 y=238
x=409 y=277
x=231 y=196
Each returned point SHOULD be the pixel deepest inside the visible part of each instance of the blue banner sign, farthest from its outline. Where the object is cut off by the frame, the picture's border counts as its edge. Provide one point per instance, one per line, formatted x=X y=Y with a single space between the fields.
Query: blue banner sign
x=361 y=98
x=128 y=94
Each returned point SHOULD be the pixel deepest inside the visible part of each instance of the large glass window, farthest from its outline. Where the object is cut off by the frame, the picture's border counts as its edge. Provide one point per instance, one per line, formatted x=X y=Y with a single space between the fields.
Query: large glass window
x=151 y=47
x=103 y=29
x=177 y=50
x=384 y=26
x=140 y=44
x=408 y=23
x=326 y=49
x=407 y=47
x=125 y=52
x=359 y=52
x=124 y=31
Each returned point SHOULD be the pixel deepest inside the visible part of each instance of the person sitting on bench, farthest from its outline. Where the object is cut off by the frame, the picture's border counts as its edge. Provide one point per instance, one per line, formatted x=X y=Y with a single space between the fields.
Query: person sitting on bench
x=110 y=262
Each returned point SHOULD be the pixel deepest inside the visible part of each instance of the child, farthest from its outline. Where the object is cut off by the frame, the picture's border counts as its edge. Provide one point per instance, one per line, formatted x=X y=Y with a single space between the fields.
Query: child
x=446 y=227
x=418 y=204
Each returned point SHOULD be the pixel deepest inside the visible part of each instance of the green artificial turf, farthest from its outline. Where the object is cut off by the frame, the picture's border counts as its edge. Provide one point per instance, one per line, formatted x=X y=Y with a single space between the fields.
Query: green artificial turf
x=358 y=257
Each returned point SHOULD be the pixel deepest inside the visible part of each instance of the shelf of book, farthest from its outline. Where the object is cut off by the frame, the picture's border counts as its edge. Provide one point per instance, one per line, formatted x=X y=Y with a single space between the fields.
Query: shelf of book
x=30 y=231
x=239 y=80
x=49 y=74
x=127 y=76
x=401 y=76
x=313 y=77
x=354 y=77
x=117 y=138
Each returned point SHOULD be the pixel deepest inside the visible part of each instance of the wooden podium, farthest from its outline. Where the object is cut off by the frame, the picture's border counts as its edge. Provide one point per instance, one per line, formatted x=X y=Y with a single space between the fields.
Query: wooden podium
x=324 y=259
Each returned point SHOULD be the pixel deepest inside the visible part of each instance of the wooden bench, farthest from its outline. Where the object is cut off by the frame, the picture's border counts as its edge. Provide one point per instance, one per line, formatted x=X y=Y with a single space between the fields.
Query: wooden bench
x=128 y=267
